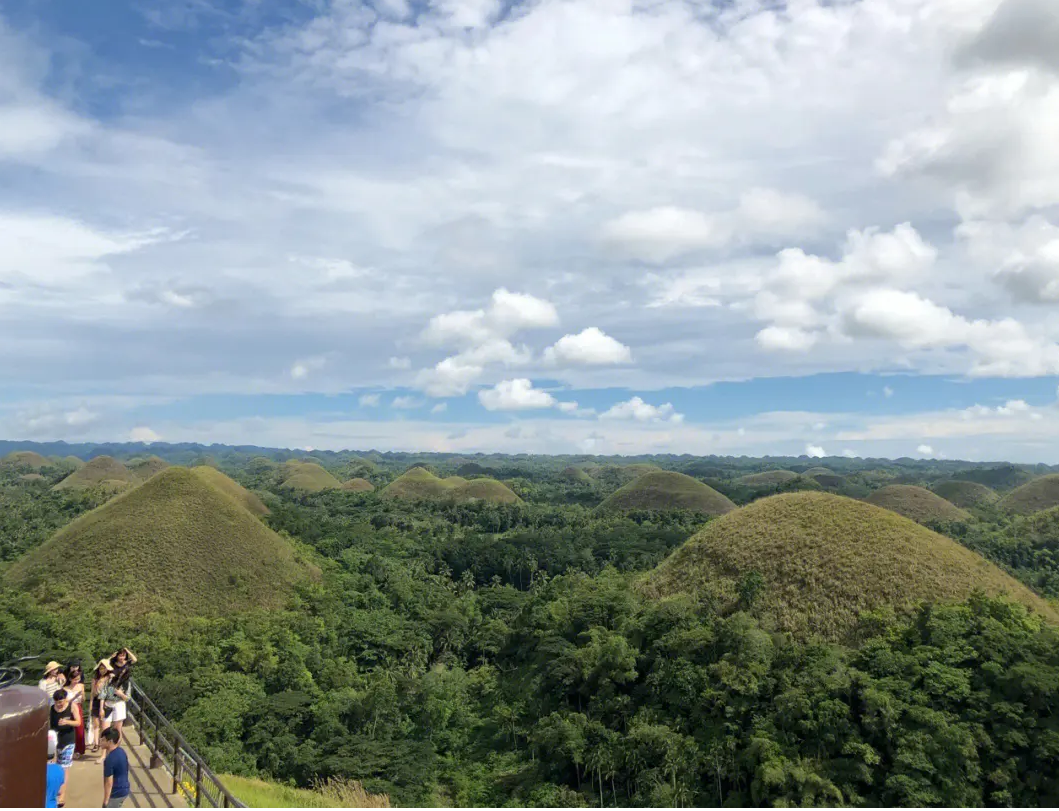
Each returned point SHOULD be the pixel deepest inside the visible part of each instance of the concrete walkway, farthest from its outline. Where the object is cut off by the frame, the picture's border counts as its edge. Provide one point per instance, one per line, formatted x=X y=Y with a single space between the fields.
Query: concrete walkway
x=150 y=787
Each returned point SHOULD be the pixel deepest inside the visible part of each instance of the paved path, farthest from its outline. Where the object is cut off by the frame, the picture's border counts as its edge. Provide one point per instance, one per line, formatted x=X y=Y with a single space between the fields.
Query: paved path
x=150 y=787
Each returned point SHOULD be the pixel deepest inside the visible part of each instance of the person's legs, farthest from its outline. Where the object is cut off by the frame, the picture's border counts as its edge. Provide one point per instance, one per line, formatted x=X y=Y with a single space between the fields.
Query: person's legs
x=118 y=718
x=116 y=802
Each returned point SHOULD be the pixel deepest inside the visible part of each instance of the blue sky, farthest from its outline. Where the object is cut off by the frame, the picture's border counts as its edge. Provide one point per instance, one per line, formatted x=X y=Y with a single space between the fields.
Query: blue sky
x=553 y=226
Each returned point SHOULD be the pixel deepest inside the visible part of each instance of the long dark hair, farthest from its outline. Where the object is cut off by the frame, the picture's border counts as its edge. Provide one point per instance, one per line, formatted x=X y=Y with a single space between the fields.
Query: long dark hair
x=122 y=673
x=75 y=667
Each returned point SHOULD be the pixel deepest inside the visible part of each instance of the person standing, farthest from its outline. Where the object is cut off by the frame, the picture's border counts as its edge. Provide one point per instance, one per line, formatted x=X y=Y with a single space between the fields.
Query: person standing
x=53 y=679
x=64 y=721
x=121 y=677
x=115 y=770
x=55 y=779
x=100 y=680
x=75 y=689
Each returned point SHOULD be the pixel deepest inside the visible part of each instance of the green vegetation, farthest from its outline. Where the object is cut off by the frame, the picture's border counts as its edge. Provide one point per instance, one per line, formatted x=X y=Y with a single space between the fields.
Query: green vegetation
x=1004 y=477
x=822 y=560
x=335 y=794
x=94 y=473
x=214 y=477
x=143 y=469
x=357 y=485
x=917 y=503
x=308 y=477
x=419 y=484
x=174 y=543
x=1039 y=494
x=24 y=460
x=667 y=490
x=576 y=475
x=805 y=650
x=767 y=478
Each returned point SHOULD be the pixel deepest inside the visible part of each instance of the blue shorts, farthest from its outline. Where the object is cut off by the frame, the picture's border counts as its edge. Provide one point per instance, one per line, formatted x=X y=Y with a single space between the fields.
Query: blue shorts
x=66 y=756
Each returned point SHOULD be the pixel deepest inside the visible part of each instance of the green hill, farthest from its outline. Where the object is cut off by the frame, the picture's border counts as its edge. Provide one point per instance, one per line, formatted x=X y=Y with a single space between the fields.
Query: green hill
x=767 y=478
x=143 y=469
x=667 y=490
x=31 y=477
x=309 y=477
x=830 y=481
x=226 y=485
x=617 y=475
x=357 y=486
x=821 y=560
x=74 y=462
x=916 y=503
x=95 y=472
x=1002 y=477
x=174 y=544
x=1039 y=494
x=816 y=471
x=965 y=494
x=420 y=484
x=24 y=460
x=576 y=475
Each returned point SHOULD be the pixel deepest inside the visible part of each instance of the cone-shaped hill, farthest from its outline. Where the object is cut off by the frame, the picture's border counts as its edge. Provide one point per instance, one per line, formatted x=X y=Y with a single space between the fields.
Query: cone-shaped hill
x=24 y=460
x=916 y=503
x=667 y=490
x=1039 y=494
x=99 y=470
x=175 y=543
x=419 y=484
x=309 y=477
x=767 y=478
x=824 y=559
x=965 y=494
x=357 y=485
x=211 y=475
x=576 y=475
x=143 y=469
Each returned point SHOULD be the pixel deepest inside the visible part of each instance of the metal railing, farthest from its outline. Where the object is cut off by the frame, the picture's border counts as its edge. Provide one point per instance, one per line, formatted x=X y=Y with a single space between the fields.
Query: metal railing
x=191 y=776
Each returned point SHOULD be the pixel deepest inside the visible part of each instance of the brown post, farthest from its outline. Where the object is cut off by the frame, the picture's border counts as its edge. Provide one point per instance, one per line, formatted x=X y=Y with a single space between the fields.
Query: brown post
x=198 y=783
x=176 y=770
x=24 y=746
x=156 y=759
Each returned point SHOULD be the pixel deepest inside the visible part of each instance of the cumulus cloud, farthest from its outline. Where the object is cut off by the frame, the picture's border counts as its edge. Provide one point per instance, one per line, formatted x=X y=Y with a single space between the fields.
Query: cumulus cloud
x=399 y=363
x=143 y=433
x=638 y=410
x=815 y=452
x=406 y=402
x=515 y=395
x=368 y=400
x=439 y=408
x=590 y=347
x=925 y=450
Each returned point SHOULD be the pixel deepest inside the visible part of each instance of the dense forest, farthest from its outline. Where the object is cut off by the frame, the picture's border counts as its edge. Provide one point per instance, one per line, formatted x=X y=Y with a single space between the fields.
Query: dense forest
x=473 y=653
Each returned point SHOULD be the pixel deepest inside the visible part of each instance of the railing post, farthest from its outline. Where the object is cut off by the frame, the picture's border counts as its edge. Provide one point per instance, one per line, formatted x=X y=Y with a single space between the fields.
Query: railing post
x=156 y=758
x=176 y=768
x=198 y=783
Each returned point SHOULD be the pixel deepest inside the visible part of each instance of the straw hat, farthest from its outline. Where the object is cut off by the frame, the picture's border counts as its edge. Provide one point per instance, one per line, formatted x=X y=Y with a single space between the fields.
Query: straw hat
x=48 y=668
x=103 y=663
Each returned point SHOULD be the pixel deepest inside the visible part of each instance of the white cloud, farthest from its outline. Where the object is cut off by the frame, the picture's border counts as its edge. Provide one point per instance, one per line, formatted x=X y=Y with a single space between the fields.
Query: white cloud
x=439 y=408
x=815 y=452
x=590 y=347
x=850 y=454
x=515 y=395
x=568 y=407
x=303 y=368
x=406 y=402
x=399 y=363
x=925 y=450
x=790 y=339
x=887 y=392
x=640 y=411
x=142 y=433
x=368 y=400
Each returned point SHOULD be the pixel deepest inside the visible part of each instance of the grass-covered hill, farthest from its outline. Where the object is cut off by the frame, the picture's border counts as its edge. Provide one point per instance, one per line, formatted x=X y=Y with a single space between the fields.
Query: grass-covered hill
x=419 y=484
x=212 y=476
x=94 y=473
x=357 y=485
x=667 y=490
x=1001 y=477
x=817 y=561
x=24 y=460
x=965 y=494
x=143 y=469
x=174 y=544
x=916 y=503
x=1039 y=494
x=576 y=475
x=309 y=477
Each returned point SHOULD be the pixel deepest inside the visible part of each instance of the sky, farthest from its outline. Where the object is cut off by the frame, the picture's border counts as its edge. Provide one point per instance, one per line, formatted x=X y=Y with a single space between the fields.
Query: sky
x=820 y=227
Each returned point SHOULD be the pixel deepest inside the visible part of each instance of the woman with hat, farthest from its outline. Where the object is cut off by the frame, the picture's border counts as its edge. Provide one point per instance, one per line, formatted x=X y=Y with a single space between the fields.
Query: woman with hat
x=53 y=679
x=100 y=680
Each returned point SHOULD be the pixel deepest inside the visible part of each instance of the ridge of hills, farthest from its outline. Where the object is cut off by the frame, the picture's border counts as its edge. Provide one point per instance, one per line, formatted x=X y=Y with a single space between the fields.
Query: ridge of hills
x=175 y=543
x=823 y=559
x=667 y=490
x=916 y=503
x=420 y=484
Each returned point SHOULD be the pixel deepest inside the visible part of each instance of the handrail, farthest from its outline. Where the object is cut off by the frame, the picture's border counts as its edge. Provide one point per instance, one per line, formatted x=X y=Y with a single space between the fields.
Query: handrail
x=191 y=776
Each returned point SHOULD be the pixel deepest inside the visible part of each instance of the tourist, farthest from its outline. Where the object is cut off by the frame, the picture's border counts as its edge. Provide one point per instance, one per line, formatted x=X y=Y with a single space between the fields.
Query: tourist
x=53 y=679
x=64 y=720
x=121 y=677
x=100 y=713
x=55 y=780
x=115 y=770
x=75 y=690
